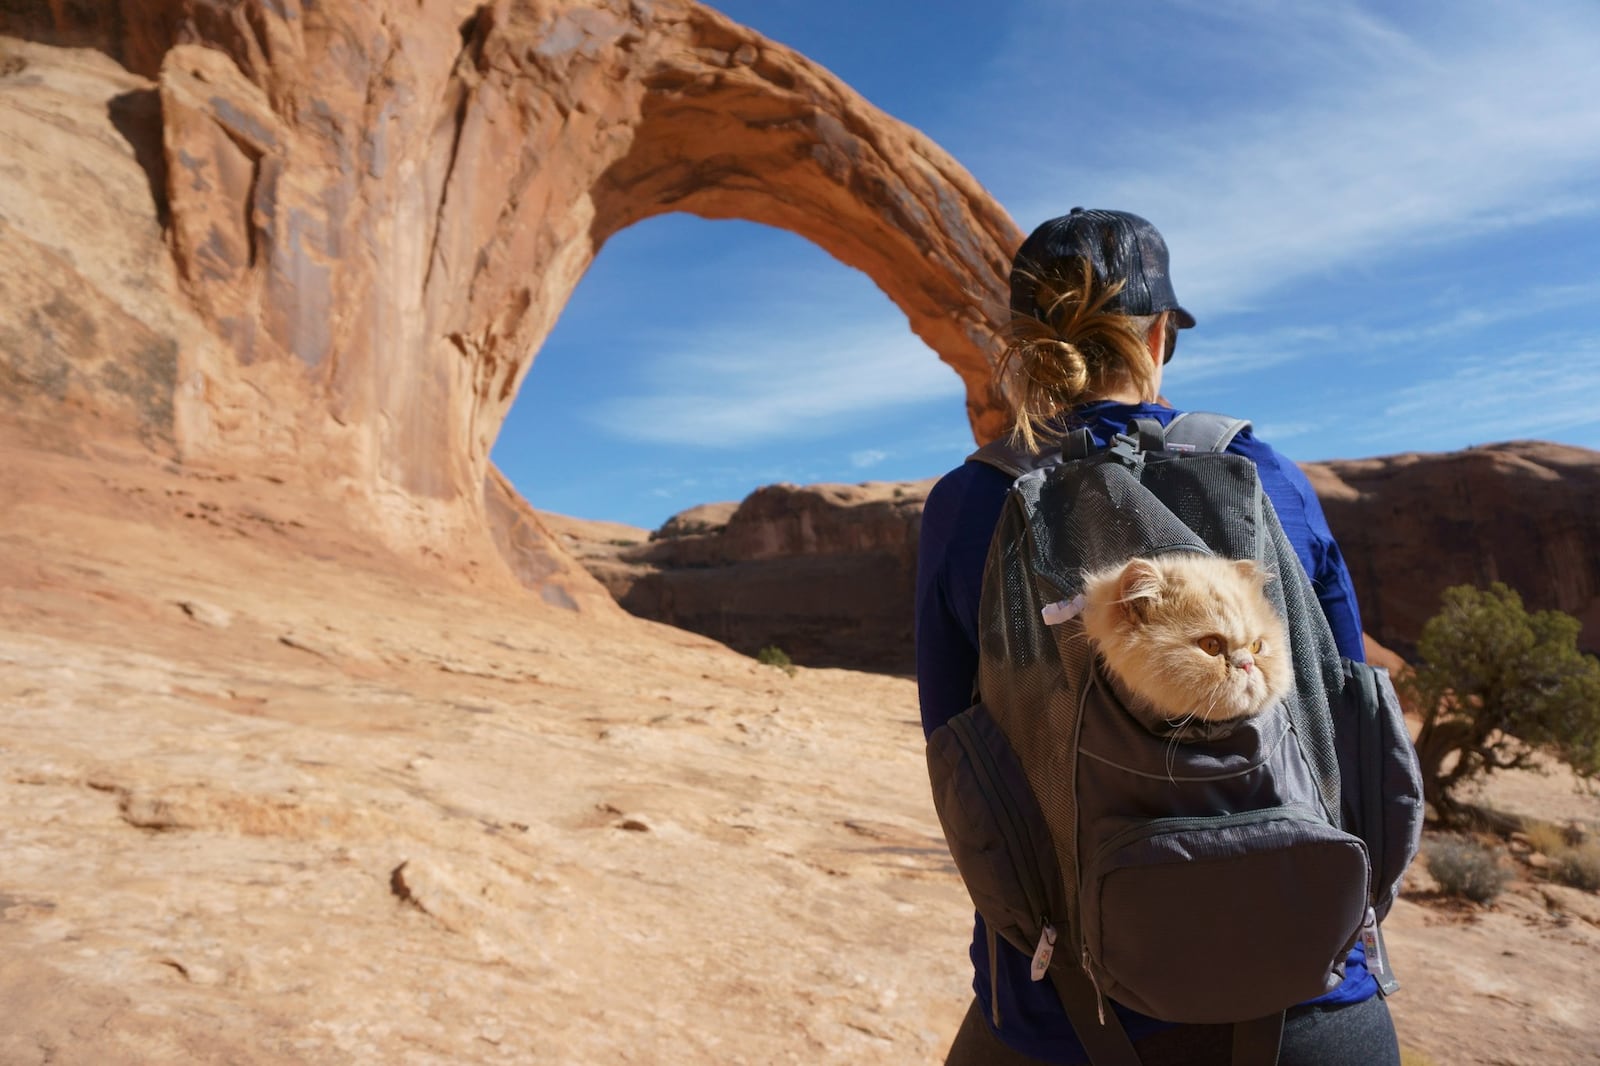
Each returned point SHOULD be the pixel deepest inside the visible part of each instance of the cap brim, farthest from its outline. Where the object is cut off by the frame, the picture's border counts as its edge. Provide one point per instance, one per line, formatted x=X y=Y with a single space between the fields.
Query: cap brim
x=1185 y=319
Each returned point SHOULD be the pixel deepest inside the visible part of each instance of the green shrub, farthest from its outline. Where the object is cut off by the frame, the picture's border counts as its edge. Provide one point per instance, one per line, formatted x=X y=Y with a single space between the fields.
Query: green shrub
x=772 y=655
x=1578 y=867
x=1495 y=685
x=1463 y=868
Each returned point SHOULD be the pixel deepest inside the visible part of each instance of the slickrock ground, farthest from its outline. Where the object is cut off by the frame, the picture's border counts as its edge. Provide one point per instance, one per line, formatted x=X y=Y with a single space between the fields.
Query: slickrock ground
x=269 y=795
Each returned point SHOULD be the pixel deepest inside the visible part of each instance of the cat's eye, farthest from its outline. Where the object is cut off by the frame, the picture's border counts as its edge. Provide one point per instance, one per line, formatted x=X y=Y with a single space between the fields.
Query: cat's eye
x=1211 y=645
x=1255 y=648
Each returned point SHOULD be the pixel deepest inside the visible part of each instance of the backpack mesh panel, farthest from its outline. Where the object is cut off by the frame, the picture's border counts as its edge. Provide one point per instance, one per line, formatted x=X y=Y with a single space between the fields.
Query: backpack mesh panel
x=1066 y=520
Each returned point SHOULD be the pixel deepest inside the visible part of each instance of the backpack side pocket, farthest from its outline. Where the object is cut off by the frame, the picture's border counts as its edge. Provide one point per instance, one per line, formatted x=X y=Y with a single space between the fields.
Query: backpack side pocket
x=994 y=829
x=1380 y=777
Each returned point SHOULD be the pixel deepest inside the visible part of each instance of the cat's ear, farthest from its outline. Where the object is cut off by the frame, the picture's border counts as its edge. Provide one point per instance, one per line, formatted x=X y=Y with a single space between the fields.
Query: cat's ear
x=1139 y=585
x=1253 y=572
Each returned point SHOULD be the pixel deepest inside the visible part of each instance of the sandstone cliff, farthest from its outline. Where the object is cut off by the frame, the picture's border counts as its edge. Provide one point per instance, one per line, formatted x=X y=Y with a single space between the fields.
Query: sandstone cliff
x=324 y=241
x=826 y=572
x=1526 y=513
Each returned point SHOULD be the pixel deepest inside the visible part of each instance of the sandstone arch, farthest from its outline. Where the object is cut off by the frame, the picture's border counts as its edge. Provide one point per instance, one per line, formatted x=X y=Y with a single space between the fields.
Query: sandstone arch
x=376 y=211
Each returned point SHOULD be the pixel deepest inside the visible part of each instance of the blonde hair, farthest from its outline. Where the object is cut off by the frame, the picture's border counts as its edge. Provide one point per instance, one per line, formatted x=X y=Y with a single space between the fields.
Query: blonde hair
x=1071 y=349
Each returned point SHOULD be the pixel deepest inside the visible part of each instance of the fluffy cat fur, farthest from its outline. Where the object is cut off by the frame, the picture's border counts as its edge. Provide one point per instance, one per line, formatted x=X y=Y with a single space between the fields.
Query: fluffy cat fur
x=1190 y=637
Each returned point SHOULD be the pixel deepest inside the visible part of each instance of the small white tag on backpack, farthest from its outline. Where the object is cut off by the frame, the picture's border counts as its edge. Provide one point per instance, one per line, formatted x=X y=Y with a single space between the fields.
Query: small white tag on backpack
x=1062 y=610
x=1376 y=963
x=1042 y=953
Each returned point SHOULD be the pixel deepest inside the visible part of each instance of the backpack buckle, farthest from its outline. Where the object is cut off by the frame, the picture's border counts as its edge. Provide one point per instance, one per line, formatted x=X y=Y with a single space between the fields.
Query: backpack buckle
x=1125 y=450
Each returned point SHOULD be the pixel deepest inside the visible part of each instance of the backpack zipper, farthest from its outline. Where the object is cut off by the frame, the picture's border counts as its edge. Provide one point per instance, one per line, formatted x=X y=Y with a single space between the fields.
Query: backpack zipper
x=1162 y=826
x=1099 y=997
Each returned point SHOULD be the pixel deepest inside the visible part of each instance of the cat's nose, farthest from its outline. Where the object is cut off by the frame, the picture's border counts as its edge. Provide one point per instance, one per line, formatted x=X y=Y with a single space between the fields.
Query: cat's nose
x=1245 y=663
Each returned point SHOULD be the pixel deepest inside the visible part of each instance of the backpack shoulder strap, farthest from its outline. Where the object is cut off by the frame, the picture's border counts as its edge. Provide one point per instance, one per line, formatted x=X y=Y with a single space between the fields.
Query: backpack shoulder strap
x=1004 y=456
x=1202 y=431
x=999 y=454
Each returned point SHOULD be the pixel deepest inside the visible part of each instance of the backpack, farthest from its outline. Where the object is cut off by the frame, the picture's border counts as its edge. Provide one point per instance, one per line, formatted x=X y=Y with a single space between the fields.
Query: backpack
x=1127 y=864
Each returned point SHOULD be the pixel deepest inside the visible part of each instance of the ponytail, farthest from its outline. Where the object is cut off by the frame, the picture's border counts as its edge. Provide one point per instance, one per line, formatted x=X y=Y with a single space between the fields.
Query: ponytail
x=1068 y=348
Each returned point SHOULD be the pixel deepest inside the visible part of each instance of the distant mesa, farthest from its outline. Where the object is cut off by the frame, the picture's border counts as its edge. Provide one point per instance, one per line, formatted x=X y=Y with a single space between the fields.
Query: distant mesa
x=827 y=572
x=824 y=572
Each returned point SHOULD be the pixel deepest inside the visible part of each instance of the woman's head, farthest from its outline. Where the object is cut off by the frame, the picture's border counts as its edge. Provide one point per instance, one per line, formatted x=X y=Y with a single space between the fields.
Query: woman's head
x=1090 y=295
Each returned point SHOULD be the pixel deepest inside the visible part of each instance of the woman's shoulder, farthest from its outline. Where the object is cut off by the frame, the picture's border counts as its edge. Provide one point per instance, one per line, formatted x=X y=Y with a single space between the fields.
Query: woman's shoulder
x=1281 y=476
x=969 y=495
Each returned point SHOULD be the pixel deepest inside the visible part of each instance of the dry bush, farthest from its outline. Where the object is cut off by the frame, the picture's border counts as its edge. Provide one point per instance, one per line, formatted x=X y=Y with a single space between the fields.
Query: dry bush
x=1546 y=838
x=1578 y=866
x=1464 y=868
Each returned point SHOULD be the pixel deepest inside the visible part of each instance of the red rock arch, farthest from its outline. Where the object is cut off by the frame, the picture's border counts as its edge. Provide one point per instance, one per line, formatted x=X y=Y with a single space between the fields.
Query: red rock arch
x=378 y=209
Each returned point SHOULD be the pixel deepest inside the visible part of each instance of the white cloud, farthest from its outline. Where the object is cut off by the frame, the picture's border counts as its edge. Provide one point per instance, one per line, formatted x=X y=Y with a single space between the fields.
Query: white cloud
x=1210 y=356
x=732 y=385
x=867 y=457
x=1488 y=396
x=1382 y=137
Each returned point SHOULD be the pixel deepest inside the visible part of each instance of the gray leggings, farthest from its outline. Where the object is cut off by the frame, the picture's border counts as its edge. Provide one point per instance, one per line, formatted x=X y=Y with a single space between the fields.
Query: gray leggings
x=1354 y=1034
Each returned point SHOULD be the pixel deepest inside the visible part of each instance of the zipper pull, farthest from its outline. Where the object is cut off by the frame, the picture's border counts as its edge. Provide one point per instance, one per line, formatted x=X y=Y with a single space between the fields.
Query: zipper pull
x=1042 y=953
x=1377 y=955
x=1369 y=944
x=1099 y=997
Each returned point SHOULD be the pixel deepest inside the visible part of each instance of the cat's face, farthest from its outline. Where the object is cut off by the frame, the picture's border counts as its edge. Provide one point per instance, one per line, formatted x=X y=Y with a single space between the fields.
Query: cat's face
x=1191 y=634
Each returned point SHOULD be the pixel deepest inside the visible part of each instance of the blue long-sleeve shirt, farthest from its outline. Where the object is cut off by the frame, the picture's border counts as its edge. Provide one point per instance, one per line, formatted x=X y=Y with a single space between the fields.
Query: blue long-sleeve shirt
x=958 y=522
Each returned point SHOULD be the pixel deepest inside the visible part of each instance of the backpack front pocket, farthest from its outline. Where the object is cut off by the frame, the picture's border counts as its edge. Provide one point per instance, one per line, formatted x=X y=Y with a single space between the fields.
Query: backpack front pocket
x=1220 y=919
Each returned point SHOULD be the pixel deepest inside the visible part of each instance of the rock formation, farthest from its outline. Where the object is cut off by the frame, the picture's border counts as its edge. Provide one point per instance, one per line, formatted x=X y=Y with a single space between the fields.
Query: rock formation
x=327 y=239
x=1526 y=513
x=825 y=572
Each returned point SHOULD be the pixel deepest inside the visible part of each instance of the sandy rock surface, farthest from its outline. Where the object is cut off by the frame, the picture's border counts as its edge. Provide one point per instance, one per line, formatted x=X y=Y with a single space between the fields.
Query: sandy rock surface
x=268 y=795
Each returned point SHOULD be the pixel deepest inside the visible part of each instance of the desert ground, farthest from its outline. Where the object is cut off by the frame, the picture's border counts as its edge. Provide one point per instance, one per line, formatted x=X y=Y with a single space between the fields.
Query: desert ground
x=272 y=795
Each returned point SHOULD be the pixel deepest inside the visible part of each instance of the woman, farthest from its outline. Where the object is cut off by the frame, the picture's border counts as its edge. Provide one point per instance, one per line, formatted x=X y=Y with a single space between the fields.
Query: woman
x=1095 y=321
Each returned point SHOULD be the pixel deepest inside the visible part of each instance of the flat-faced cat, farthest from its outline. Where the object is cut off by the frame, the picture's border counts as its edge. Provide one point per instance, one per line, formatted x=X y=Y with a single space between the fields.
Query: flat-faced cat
x=1191 y=637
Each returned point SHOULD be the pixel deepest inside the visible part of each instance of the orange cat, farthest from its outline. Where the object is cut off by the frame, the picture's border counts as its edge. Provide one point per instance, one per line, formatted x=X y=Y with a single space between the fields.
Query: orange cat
x=1190 y=636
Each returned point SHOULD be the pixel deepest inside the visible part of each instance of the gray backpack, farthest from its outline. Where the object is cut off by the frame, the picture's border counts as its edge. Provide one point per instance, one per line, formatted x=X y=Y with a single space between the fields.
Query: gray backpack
x=1127 y=864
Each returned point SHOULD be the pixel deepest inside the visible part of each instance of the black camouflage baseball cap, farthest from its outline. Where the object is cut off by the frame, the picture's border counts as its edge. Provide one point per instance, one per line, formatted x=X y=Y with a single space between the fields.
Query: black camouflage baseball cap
x=1117 y=244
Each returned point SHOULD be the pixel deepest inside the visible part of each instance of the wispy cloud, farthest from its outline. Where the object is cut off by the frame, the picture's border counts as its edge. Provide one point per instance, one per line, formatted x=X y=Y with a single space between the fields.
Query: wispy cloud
x=868 y=457
x=736 y=385
x=1231 y=352
x=1487 y=397
x=1374 y=133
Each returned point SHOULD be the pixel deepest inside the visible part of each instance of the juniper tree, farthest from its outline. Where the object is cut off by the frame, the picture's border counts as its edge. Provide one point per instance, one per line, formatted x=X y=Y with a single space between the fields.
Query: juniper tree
x=1494 y=684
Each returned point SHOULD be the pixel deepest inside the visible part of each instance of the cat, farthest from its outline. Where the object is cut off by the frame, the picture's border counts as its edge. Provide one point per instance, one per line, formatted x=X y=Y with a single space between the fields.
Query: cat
x=1191 y=638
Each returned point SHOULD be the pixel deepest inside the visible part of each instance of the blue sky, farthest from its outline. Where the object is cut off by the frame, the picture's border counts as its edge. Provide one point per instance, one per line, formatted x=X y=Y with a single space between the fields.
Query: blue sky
x=1386 y=218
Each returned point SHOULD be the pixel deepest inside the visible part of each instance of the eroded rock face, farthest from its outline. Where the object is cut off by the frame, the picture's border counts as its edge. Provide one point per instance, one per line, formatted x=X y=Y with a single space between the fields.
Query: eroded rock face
x=374 y=212
x=1526 y=513
x=826 y=572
